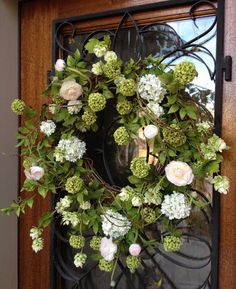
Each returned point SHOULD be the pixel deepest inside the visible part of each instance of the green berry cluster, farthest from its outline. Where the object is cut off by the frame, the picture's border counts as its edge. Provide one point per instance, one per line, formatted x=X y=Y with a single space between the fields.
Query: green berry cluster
x=89 y=117
x=172 y=243
x=148 y=215
x=105 y=266
x=18 y=106
x=124 y=107
x=139 y=167
x=127 y=87
x=185 y=72
x=74 y=184
x=77 y=242
x=96 y=101
x=174 y=136
x=95 y=243
x=111 y=69
x=133 y=262
x=121 y=136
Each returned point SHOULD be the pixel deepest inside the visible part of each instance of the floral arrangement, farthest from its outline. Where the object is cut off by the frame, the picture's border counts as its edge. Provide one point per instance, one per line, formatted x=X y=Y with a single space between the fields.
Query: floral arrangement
x=151 y=98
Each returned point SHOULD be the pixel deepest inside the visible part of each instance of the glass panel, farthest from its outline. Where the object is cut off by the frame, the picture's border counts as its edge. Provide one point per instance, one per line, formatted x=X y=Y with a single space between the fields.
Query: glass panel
x=190 y=268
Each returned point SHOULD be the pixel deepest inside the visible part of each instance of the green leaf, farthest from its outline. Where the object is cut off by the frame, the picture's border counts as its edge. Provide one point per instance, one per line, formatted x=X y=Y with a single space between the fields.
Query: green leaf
x=45 y=219
x=192 y=114
x=166 y=78
x=182 y=113
x=162 y=158
x=77 y=54
x=95 y=228
x=70 y=61
x=43 y=191
x=91 y=43
x=173 y=108
x=30 y=112
x=30 y=202
x=213 y=167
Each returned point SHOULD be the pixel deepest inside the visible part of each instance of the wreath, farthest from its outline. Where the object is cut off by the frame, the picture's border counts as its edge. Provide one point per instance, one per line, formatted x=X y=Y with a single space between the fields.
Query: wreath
x=152 y=100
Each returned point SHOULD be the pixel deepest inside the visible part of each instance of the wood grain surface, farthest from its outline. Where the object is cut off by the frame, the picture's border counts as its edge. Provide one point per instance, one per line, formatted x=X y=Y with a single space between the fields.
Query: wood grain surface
x=35 y=56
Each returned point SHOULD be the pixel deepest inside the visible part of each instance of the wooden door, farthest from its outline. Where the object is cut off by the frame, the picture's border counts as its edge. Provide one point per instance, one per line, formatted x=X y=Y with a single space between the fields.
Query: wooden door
x=36 y=60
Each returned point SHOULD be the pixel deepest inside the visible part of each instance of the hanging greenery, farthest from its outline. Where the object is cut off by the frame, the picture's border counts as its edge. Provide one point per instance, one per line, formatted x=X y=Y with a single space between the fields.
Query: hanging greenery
x=152 y=100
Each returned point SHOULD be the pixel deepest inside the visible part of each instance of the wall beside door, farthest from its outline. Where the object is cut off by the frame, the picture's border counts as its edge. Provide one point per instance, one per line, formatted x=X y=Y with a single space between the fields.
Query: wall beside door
x=8 y=152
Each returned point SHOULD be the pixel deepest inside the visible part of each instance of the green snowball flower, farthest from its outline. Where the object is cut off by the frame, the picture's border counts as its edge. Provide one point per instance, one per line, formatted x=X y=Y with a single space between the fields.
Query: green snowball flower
x=133 y=262
x=111 y=69
x=96 y=101
x=185 y=72
x=139 y=167
x=74 y=184
x=18 y=106
x=121 y=136
x=89 y=117
x=171 y=243
x=77 y=242
x=124 y=107
x=95 y=243
x=105 y=266
x=148 y=215
x=127 y=87
x=174 y=136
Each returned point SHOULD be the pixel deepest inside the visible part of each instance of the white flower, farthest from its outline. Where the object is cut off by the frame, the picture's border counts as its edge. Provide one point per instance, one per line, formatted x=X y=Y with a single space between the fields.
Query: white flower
x=150 y=88
x=37 y=244
x=136 y=201
x=221 y=184
x=203 y=126
x=70 y=218
x=47 y=127
x=35 y=232
x=35 y=173
x=74 y=106
x=60 y=65
x=52 y=108
x=179 y=173
x=150 y=131
x=71 y=90
x=100 y=50
x=63 y=204
x=135 y=249
x=71 y=149
x=108 y=249
x=126 y=193
x=216 y=143
x=85 y=205
x=114 y=224
x=80 y=259
x=153 y=196
x=155 y=108
x=110 y=56
x=97 y=68
x=175 y=206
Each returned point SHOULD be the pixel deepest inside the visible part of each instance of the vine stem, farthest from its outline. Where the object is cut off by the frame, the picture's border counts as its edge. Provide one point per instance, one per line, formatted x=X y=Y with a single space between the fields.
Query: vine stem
x=114 y=269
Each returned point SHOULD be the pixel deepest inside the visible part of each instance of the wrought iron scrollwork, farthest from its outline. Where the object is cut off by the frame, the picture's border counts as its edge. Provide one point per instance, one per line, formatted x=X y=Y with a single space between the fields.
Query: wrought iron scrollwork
x=156 y=271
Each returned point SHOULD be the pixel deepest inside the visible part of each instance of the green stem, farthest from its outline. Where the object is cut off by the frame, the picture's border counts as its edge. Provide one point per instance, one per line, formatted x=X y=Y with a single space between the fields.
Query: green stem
x=114 y=268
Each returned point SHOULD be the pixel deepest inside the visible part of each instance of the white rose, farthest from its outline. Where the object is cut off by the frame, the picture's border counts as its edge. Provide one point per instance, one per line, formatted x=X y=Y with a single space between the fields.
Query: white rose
x=35 y=173
x=135 y=249
x=110 y=55
x=179 y=173
x=71 y=90
x=108 y=249
x=60 y=65
x=150 y=131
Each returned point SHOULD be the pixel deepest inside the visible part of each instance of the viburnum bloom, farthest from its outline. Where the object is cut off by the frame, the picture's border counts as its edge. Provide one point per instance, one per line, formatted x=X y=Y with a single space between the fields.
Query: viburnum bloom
x=179 y=173
x=47 y=127
x=114 y=224
x=175 y=206
x=108 y=249
x=34 y=173
x=71 y=90
x=221 y=184
x=135 y=249
x=60 y=65
x=150 y=88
